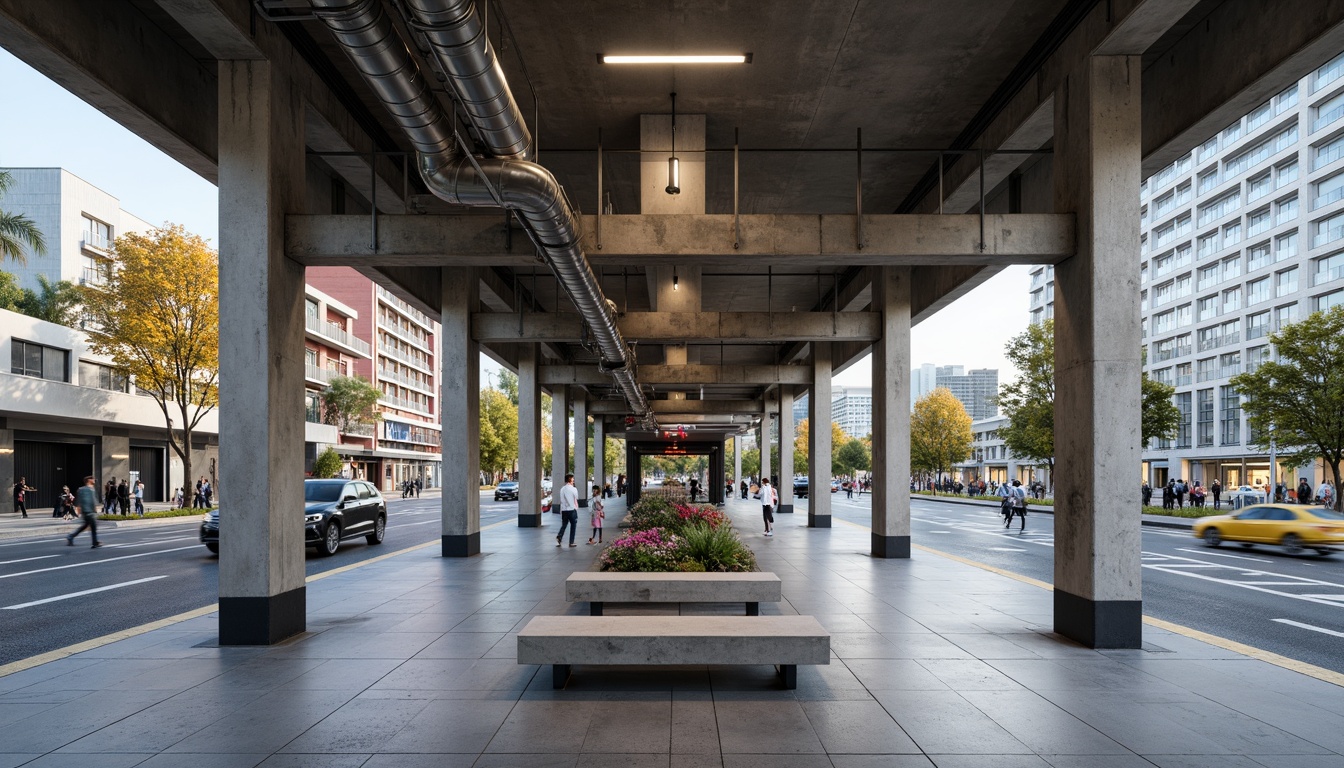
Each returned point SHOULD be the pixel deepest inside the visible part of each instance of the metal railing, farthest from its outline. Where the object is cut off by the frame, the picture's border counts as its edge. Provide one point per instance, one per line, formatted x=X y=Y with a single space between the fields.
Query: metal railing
x=405 y=405
x=385 y=374
x=1325 y=276
x=338 y=334
x=359 y=430
x=397 y=354
x=315 y=373
x=95 y=241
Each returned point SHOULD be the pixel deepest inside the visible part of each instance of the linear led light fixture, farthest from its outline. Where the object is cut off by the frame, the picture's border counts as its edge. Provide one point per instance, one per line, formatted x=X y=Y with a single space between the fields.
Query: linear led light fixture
x=735 y=58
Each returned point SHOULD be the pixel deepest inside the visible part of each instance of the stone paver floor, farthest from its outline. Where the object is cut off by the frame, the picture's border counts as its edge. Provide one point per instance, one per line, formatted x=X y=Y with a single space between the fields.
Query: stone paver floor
x=410 y=662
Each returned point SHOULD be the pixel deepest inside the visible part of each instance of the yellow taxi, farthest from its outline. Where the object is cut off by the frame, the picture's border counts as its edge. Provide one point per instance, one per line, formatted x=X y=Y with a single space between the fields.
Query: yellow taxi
x=1294 y=526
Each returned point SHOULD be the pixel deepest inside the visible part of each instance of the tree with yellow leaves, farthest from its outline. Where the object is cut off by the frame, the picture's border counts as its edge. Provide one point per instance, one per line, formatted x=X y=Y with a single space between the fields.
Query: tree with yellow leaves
x=800 y=447
x=157 y=317
x=940 y=432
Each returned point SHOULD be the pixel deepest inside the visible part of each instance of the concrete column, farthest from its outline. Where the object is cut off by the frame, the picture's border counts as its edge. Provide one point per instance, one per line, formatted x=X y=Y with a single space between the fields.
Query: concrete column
x=891 y=415
x=559 y=438
x=7 y=478
x=819 y=439
x=1098 y=596
x=786 y=437
x=529 y=438
x=633 y=482
x=580 y=399
x=765 y=444
x=116 y=454
x=460 y=374
x=737 y=463
x=599 y=448
x=261 y=178
x=715 y=479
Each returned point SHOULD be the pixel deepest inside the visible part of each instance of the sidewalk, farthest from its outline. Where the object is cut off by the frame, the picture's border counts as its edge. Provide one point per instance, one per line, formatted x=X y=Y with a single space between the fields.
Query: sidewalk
x=1156 y=521
x=410 y=661
x=40 y=522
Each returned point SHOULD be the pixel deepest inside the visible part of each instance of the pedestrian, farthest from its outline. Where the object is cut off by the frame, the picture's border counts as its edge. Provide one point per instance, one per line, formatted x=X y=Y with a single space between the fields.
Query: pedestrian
x=1019 y=505
x=744 y=488
x=695 y=489
x=64 y=504
x=139 y=494
x=569 y=510
x=1303 y=491
x=87 y=501
x=1005 y=494
x=419 y=484
x=124 y=498
x=1216 y=489
x=110 y=497
x=198 y=495
x=21 y=489
x=768 y=499
x=178 y=501
x=1147 y=493
x=208 y=491
x=598 y=515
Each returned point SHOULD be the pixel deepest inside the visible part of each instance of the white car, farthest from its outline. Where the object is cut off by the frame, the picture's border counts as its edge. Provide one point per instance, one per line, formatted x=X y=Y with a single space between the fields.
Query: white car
x=1245 y=495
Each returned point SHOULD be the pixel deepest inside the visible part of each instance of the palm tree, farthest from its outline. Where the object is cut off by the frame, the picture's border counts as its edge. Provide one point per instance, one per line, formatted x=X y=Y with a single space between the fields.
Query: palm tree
x=56 y=302
x=17 y=230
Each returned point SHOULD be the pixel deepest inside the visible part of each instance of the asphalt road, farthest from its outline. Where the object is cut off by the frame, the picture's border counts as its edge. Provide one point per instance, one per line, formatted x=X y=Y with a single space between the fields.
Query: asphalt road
x=1292 y=605
x=52 y=595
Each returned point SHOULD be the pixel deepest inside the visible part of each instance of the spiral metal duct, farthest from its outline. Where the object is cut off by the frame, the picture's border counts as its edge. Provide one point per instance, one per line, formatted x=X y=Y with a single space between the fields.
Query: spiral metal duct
x=457 y=36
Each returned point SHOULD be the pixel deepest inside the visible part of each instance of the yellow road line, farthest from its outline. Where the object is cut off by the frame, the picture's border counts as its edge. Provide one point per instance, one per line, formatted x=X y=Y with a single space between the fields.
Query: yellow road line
x=1302 y=667
x=98 y=642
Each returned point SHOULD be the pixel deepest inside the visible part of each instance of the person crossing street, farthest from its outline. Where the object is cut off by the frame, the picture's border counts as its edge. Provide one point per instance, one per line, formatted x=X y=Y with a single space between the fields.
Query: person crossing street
x=87 y=501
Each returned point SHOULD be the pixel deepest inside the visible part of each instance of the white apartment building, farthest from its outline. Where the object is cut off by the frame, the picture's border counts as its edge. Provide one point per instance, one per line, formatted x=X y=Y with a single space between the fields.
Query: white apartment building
x=80 y=223
x=852 y=409
x=1239 y=237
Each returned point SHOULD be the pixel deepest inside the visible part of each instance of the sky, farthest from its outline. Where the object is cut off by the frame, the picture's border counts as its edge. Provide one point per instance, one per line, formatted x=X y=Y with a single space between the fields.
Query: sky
x=46 y=126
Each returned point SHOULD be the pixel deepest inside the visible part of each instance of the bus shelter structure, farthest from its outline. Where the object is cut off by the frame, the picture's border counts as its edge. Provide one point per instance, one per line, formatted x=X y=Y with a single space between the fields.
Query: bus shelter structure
x=864 y=166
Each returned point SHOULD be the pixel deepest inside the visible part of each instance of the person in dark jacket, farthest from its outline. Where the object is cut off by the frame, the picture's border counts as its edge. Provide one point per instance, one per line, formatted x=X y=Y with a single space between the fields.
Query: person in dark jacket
x=1216 y=489
x=110 y=497
x=1147 y=491
x=1303 y=491
x=124 y=497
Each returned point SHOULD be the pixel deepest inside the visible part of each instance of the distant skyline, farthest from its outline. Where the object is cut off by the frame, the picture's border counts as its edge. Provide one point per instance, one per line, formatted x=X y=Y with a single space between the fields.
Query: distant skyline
x=47 y=126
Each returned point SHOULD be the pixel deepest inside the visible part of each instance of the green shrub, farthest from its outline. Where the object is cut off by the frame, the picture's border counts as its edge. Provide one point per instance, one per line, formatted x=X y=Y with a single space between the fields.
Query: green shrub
x=715 y=549
x=327 y=463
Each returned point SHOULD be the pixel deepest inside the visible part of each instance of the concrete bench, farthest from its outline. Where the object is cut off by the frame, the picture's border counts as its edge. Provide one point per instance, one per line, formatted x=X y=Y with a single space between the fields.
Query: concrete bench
x=597 y=588
x=783 y=641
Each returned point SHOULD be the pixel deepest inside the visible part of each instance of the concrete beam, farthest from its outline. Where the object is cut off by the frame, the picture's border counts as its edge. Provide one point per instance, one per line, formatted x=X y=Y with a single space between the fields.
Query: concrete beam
x=667 y=327
x=681 y=407
x=691 y=240
x=1236 y=58
x=113 y=57
x=689 y=375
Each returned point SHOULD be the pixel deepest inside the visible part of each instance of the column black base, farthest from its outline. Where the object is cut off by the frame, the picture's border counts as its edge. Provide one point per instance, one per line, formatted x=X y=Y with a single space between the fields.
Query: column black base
x=818 y=521
x=595 y=608
x=1099 y=623
x=788 y=675
x=559 y=675
x=891 y=546
x=462 y=545
x=753 y=609
x=785 y=509
x=262 y=620
x=529 y=521
x=583 y=503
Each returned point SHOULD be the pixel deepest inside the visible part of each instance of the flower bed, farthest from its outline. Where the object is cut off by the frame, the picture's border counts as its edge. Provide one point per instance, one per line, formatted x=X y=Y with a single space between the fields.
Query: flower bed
x=668 y=536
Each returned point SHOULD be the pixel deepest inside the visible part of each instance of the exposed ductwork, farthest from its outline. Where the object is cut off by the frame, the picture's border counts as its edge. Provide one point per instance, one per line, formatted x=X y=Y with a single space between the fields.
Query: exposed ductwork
x=507 y=178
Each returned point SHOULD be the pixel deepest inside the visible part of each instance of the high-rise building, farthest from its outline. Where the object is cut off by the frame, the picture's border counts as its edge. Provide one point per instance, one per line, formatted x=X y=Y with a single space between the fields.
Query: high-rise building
x=852 y=409
x=1239 y=237
x=402 y=363
x=976 y=390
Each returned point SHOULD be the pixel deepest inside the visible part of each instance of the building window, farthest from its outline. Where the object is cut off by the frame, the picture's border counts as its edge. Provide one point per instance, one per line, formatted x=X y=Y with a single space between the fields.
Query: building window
x=1229 y=365
x=1329 y=300
x=1286 y=283
x=1258 y=256
x=1258 y=221
x=1182 y=401
x=1257 y=291
x=1206 y=369
x=43 y=362
x=1231 y=416
x=1231 y=300
x=1285 y=246
x=1329 y=268
x=1231 y=267
x=1256 y=357
x=1205 y=412
x=1328 y=111
x=1285 y=173
x=103 y=377
x=1257 y=325
x=1258 y=186
x=1285 y=315
x=1207 y=308
x=312 y=407
x=1285 y=210
x=1327 y=230
x=1183 y=377
x=97 y=234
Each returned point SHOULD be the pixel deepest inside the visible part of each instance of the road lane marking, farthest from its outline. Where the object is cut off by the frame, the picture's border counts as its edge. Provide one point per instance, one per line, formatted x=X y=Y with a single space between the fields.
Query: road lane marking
x=1007 y=549
x=1311 y=627
x=81 y=593
x=150 y=543
x=1220 y=554
x=93 y=562
x=27 y=559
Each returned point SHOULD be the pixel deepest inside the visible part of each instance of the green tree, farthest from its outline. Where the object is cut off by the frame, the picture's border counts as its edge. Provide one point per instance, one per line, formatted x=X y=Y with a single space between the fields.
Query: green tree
x=940 y=432
x=508 y=384
x=751 y=462
x=57 y=302
x=854 y=456
x=1298 y=401
x=157 y=317
x=1029 y=401
x=18 y=233
x=1161 y=417
x=802 y=441
x=350 y=400
x=499 y=432
x=11 y=295
x=327 y=463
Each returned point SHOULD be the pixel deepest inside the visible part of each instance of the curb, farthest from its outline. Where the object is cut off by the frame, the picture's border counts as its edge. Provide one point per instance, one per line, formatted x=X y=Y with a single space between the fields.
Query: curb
x=63 y=525
x=1152 y=521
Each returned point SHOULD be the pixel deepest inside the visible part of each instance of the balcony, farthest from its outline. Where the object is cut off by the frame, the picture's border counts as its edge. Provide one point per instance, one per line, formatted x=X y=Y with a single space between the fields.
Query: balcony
x=1182 y=381
x=396 y=354
x=92 y=276
x=95 y=241
x=404 y=334
x=1327 y=118
x=315 y=374
x=337 y=336
x=1325 y=276
x=406 y=381
x=404 y=405
x=1228 y=371
x=359 y=430
x=420 y=317
x=1327 y=236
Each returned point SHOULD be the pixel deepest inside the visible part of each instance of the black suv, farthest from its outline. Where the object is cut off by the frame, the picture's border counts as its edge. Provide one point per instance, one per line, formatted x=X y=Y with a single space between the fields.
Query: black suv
x=333 y=510
x=800 y=486
x=507 y=491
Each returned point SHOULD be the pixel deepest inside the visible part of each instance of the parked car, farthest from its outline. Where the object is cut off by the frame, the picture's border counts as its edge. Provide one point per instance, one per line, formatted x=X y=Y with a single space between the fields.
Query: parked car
x=507 y=491
x=1293 y=526
x=800 y=485
x=334 y=510
x=1246 y=495
x=546 y=485
x=835 y=486
x=546 y=504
